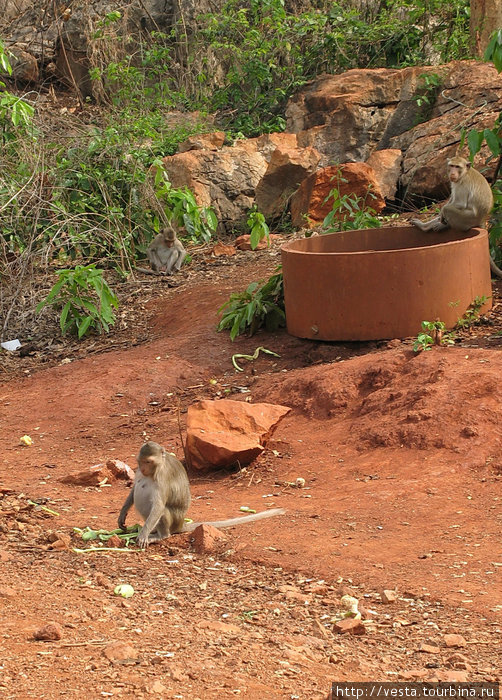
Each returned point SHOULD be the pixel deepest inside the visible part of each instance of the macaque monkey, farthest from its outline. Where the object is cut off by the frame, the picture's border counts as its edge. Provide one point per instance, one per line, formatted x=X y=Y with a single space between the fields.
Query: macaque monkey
x=470 y=201
x=166 y=252
x=161 y=495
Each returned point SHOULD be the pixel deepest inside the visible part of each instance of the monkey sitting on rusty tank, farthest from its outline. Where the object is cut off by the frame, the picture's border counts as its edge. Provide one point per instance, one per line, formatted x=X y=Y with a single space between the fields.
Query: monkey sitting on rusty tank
x=470 y=202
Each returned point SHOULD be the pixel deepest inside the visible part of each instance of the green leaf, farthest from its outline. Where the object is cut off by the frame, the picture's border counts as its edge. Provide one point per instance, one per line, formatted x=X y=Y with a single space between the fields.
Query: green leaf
x=493 y=141
x=255 y=238
x=90 y=306
x=84 y=326
x=497 y=58
x=474 y=141
x=54 y=292
x=212 y=219
x=250 y=312
x=64 y=316
x=234 y=332
x=189 y=225
x=490 y=48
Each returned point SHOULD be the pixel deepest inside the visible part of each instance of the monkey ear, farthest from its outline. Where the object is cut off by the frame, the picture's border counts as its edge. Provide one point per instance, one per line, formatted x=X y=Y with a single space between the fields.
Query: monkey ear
x=468 y=164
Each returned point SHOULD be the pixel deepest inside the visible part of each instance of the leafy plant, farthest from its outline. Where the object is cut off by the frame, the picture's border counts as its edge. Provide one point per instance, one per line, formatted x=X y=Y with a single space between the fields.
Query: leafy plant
x=433 y=333
x=431 y=84
x=259 y=228
x=85 y=300
x=493 y=51
x=181 y=207
x=14 y=112
x=426 y=97
x=255 y=307
x=471 y=315
x=267 y=51
x=493 y=139
x=348 y=211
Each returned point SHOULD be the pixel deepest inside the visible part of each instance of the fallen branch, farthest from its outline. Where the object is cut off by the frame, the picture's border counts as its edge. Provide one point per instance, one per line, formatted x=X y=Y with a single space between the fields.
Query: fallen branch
x=105 y=549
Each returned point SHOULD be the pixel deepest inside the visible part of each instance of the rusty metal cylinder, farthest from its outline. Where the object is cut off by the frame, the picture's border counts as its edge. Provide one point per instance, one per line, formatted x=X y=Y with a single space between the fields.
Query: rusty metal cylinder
x=381 y=283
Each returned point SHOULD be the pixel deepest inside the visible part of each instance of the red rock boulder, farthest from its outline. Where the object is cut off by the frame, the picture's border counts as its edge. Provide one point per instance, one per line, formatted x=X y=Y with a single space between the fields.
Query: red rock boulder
x=312 y=203
x=221 y=433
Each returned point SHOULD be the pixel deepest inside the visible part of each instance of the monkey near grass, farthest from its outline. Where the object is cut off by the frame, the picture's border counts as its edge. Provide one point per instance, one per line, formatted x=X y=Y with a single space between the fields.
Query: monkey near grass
x=161 y=495
x=166 y=252
x=470 y=202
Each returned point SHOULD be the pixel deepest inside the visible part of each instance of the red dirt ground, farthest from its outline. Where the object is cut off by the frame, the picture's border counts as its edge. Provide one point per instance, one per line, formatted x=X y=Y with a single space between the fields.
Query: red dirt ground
x=401 y=456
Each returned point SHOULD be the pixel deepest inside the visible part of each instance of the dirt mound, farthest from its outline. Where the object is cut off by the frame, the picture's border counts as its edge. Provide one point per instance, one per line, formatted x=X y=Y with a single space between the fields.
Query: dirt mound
x=437 y=399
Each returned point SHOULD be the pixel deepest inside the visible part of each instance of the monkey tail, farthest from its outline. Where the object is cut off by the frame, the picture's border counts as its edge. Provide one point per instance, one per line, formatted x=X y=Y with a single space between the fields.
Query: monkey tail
x=189 y=527
x=495 y=268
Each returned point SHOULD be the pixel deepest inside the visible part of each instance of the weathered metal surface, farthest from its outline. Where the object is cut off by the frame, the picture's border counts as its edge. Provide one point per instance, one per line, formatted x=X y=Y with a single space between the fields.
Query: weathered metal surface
x=382 y=283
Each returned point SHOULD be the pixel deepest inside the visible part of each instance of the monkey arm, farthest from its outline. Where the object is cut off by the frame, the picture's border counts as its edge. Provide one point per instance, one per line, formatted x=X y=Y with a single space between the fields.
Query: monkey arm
x=459 y=209
x=181 y=256
x=125 y=509
x=155 y=261
x=460 y=217
x=171 y=260
x=176 y=256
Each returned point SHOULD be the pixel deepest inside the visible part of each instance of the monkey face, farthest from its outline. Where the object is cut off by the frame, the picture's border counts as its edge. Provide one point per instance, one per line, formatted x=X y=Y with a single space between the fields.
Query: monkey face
x=147 y=466
x=455 y=172
x=457 y=168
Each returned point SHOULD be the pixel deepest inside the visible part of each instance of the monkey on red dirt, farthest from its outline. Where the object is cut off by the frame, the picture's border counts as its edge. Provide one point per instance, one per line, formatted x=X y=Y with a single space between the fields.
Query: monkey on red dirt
x=161 y=495
x=469 y=205
x=166 y=252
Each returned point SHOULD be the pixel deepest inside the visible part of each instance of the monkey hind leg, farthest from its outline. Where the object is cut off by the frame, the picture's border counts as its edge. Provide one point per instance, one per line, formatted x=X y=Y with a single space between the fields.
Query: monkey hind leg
x=178 y=520
x=433 y=225
x=163 y=528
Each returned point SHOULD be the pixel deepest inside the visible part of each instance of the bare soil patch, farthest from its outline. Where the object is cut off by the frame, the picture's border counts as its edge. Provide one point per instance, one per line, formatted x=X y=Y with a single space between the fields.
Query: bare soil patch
x=401 y=456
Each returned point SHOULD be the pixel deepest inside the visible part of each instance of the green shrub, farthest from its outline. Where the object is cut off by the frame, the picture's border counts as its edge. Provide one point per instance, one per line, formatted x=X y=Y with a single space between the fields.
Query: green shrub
x=348 y=211
x=255 y=307
x=100 y=201
x=181 y=207
x=258 y=228
x=15 y=113
x=84 y=299
x=263 y=51
x=268 y=52
x=433 y=333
